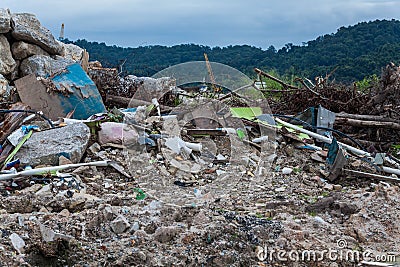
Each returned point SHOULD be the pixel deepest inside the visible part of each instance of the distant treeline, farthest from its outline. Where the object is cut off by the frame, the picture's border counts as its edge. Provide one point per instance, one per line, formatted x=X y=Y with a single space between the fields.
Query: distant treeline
x=358 y=51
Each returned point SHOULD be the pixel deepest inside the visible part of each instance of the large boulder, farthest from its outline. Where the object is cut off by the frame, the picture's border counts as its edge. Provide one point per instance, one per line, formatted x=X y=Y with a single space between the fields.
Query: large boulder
x=26 y=27
x=5 y=20
x=43 y=66
x=7 y=63
x=22 y=50
x=46 y=147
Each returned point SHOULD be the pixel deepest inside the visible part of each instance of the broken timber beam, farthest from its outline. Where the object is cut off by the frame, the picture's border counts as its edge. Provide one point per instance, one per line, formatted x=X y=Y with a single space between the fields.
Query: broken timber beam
x=285 y=85
x=131 y=102
x=363 y=123
x=372 y=175
x=13 y=121
x=212 y=132
x=364 y=117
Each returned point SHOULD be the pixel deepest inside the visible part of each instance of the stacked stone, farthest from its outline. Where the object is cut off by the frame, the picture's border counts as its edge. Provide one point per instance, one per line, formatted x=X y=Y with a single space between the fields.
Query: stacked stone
x=27 y=47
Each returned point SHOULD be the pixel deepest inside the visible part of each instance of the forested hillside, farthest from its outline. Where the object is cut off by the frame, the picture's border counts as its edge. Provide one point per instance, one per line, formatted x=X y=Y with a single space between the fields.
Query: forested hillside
x=358 y=51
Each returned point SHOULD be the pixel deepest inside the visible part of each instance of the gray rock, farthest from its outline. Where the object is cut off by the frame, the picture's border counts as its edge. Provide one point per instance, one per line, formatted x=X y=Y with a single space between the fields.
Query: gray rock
x=108 y=213
x=43 y=66
x=26 y=27
x=73 y=52
x=22 y=50
x=322 y=204
x=165 y=234
x=15 y=73
x=119 y=225
x=7 y=63
x=5 y=88
x=345 y=208
x=48 y=235
x=149 y=88
x=5 y=20
x=44 y=191
x=45 y=147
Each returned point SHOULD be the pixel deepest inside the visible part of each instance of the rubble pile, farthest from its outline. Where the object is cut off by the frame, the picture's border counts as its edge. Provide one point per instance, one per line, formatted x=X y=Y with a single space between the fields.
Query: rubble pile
x=98 y=169
x=29 y=48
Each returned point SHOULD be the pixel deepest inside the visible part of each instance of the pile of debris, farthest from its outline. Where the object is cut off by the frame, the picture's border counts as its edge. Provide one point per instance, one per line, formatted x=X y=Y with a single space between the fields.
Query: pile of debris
x=370 y=116
x=102 y=169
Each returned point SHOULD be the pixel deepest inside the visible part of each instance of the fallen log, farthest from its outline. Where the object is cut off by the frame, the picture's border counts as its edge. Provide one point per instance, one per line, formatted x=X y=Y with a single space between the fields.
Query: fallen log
x=372 y=124
x=285 y=85
x=131 y=102
x=212 y=132
x=364 y=117
x=372 y=175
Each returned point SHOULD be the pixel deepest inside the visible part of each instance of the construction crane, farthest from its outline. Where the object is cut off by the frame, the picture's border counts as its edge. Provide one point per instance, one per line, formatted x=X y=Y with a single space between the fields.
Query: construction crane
x=211 y=74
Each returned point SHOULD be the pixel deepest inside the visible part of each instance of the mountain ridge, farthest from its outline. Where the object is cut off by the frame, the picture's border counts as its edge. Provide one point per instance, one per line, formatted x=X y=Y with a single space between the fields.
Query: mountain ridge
x=357 y=51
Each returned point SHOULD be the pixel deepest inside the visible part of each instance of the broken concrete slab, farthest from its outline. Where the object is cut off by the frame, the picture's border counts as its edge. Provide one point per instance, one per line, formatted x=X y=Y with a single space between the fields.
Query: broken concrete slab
x=149 y=88
x=47 y=146
x=43 y=66
x=73 y=52
x=22 y=50
x=5 y=20
x=71 y=90
x=26 y=27
x=7 y=62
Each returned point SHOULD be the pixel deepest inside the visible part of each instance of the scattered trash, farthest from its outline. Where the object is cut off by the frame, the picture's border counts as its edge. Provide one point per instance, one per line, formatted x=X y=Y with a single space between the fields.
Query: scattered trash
x=140 y=195
x=116 y=133
x=146 y=182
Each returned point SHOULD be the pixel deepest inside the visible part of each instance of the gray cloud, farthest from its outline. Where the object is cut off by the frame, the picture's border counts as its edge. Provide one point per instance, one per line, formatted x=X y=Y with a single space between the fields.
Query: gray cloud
x=209 y=22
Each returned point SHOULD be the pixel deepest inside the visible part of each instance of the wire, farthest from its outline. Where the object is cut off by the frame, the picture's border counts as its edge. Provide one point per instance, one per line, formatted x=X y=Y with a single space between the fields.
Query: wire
x=27 y=111
x=321 y=128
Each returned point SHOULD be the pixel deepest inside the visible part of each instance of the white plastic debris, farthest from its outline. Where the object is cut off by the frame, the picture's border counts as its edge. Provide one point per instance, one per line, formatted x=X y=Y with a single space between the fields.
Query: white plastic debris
x=221 y=157
x=260 y=139
x=176 y=144
x=157 y=105
x=17 y=242
x=287 y=170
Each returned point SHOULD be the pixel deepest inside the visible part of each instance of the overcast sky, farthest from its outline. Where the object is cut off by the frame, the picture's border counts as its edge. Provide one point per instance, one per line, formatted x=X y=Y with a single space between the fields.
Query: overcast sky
x=260 y=23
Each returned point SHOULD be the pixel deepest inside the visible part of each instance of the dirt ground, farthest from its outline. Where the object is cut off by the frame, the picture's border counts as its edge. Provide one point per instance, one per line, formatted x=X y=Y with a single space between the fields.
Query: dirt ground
x=236 y=218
